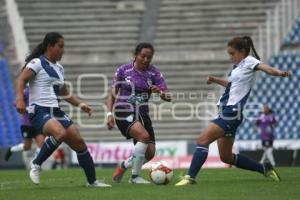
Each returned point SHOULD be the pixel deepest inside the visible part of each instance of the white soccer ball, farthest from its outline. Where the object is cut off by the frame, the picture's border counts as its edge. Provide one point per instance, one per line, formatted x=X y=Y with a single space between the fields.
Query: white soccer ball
x=160 y=173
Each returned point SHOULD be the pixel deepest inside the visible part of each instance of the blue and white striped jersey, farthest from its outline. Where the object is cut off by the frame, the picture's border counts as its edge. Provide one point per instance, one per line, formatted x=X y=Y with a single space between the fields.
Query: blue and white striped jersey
x=45 y=85
x=241 y=80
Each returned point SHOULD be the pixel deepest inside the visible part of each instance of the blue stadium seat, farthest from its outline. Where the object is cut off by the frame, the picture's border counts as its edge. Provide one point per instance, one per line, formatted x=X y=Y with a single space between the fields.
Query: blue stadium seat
x=293 y=37
x=9 y=118
x=283 y=97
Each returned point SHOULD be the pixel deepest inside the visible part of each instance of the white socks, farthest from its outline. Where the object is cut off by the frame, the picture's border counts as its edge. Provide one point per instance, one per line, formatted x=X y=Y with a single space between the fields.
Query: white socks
x=138 y=157
x=129 y=161
x=17 y=148
x=269 y=153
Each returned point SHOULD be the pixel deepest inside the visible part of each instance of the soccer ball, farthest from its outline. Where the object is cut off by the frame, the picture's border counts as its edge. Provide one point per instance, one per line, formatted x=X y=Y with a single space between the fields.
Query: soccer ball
x=160 y=173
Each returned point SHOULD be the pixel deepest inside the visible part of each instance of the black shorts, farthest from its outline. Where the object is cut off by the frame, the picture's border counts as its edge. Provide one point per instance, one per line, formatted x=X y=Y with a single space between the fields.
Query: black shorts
x=125 y=119
x=29 y=132
x=267 y=143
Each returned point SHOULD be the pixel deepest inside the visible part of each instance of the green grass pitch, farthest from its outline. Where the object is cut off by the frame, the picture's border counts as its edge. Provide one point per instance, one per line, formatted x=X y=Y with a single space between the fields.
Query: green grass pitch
x=215 y=184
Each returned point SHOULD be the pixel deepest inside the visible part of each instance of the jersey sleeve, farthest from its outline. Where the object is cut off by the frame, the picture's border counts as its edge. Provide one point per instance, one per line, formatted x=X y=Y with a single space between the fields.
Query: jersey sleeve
x=159 y=80
x=252 y=63
x=34 y=65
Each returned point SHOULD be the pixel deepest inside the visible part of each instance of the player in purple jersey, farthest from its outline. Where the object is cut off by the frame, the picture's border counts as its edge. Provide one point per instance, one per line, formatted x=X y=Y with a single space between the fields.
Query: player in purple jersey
x=231 y=103
x=266 y=123
x=28 y=132
x=132 y=87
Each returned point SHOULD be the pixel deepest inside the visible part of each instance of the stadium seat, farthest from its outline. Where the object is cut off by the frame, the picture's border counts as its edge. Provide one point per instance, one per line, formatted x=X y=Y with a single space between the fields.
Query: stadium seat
x=283 y=97
x=293 y=37
x=9 y=119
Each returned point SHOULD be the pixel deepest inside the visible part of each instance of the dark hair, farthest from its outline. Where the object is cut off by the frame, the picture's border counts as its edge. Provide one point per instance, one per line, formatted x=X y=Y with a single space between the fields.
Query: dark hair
x=141 y=46
x=50 y=38
x=246 y=43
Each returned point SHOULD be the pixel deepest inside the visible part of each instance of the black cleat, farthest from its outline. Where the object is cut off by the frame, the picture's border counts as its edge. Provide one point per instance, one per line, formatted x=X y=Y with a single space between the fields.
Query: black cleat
x=271 y=173
x=7 y=154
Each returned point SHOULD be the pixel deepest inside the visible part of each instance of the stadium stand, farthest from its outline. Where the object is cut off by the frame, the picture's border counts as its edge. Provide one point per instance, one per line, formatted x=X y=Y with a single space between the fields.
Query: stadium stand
x=90 y=27
x=281 y=96
x=293 y=38
x=9 y=119
x=194 y=24
x=190 y=38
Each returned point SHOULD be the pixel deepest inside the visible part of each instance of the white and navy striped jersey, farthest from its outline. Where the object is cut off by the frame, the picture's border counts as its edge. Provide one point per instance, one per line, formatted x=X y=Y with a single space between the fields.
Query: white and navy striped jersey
x=241 y=79
x=45 y=85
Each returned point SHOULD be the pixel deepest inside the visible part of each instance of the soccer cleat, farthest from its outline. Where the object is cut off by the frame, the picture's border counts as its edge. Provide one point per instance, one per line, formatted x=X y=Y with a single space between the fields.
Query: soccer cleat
x=34 y=173
x=271 y=173
x=138 y=180
x=186 y=180
x=8 y=154
x=118 y=175
x=97 y=184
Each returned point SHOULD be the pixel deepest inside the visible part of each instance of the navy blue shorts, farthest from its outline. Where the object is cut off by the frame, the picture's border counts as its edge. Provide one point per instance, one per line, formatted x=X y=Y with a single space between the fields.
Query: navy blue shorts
x=39 y=115
x=29 y=132
x=229 y=121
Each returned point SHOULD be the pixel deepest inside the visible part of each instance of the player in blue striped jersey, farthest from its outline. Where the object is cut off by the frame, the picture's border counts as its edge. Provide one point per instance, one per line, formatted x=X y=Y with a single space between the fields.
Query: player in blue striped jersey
x=231 y=103
x=46 y=84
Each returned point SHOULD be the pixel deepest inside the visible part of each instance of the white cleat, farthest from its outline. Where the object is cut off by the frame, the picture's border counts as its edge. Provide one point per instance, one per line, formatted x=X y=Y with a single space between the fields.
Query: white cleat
x=97 y=184
x=138 y=180
x=34 y=173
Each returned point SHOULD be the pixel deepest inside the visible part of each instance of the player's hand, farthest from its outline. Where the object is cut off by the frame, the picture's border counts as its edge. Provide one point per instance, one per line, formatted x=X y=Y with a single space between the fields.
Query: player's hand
x=286 y=73
x=86 y=108
x=21 y=106
x=110 y=122
x=210 y=80
x=154 y=89
x=166 y=96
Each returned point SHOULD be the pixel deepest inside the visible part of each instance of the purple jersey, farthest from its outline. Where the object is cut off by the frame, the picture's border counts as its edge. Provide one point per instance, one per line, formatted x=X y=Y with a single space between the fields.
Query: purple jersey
x=266 y=124
x=134 y=85
x=25 y=118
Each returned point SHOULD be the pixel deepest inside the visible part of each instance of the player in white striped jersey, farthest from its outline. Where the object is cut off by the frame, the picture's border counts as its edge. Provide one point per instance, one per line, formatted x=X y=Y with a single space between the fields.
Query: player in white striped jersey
x=46 y=83
x=231 y=103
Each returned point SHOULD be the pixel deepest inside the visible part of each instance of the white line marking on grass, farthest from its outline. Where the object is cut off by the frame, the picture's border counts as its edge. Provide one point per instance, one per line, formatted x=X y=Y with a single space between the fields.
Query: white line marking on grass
x=7 y=185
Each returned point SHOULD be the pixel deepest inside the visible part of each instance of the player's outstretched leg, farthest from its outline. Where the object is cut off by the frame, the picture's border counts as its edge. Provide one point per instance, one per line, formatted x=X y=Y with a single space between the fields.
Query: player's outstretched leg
x=199 y=157
x=120 y=171
x=86 y=162
x=271 y=173
x=11 y=150
x=8 y=154
x=49 y=146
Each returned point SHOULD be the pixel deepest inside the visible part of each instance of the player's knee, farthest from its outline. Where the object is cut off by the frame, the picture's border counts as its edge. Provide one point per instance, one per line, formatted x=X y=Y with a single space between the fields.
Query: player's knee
x=144 y=138
x=79 y=141
x=227 y=159
x=60 y=135
x=203 y=141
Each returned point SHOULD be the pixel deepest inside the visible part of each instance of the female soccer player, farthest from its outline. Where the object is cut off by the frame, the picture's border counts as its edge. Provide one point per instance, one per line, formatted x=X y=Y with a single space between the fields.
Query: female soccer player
x=28 y=133
x=231 y=103
x=132 y=87
x=46 y=82
x=266 y=123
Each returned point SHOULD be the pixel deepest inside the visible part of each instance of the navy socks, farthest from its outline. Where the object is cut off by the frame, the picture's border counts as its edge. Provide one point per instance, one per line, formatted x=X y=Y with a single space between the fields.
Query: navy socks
x=246 y=163
x=86 y=162
x=199 y=157
x=49 y=146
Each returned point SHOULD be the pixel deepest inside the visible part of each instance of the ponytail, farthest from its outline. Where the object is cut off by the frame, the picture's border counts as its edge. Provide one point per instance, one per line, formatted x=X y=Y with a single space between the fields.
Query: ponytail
x=50 y=39
x=251 y=45
x=37 y=52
